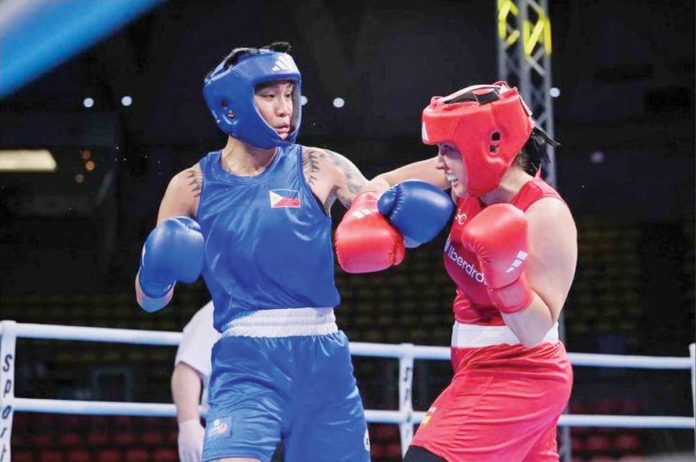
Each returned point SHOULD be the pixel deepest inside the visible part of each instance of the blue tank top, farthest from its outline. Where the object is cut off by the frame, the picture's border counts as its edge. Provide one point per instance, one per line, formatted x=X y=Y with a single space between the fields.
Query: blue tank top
x=267 y=239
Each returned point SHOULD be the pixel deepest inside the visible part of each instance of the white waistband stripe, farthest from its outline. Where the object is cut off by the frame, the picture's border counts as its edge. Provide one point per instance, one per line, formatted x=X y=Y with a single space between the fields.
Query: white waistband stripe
x=283 y=322
x=476 y=336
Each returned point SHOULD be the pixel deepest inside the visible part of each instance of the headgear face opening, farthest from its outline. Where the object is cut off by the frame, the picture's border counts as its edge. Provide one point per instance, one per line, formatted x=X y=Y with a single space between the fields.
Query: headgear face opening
x=231 y=88
x=488 y=124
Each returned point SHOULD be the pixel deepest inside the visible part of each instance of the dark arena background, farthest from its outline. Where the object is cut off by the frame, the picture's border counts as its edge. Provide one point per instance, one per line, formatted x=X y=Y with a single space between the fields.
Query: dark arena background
x=110 y=116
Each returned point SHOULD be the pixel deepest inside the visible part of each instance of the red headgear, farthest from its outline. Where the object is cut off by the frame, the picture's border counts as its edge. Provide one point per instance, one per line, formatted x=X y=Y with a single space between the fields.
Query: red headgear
x=488 y=124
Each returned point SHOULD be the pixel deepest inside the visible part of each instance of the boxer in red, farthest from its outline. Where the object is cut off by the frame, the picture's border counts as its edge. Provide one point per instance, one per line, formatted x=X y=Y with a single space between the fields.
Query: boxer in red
x=511 y=251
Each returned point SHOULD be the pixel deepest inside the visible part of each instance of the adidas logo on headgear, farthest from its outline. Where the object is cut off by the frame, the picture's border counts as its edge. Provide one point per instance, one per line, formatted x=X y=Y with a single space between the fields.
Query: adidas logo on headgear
x=284 y=63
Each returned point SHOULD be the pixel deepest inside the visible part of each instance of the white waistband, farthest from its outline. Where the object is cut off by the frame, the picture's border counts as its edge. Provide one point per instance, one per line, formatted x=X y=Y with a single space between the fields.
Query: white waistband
x=476 y=336
x=283 y=322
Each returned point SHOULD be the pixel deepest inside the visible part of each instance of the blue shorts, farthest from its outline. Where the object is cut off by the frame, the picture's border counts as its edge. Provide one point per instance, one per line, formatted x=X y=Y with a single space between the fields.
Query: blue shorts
x=299 y=388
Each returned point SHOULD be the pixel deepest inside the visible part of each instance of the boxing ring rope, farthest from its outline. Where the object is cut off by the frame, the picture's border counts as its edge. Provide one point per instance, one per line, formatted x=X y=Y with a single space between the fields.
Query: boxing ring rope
x=406 y=353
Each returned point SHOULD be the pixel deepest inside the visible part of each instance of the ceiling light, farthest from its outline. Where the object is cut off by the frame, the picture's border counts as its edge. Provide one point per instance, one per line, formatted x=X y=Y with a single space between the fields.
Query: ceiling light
x=27 y=160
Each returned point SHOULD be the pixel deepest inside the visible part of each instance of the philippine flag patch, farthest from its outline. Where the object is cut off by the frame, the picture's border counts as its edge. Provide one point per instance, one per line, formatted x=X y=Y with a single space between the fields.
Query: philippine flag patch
x=288 y=198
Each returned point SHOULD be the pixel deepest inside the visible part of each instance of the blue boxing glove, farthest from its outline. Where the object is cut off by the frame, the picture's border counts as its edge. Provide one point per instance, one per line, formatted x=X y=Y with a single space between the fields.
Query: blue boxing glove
x=419 y=210
x=172 y=252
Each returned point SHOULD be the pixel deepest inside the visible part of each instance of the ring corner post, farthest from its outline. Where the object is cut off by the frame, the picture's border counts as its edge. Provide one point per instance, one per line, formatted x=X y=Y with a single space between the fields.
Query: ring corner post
x=8 y=341
x=692 y=355
x=406 y=395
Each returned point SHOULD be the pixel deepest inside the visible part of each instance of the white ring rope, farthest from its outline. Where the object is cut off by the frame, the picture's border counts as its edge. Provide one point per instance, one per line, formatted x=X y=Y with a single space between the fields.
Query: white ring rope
x=374 y=350
x=406 y=353
x=58 y=406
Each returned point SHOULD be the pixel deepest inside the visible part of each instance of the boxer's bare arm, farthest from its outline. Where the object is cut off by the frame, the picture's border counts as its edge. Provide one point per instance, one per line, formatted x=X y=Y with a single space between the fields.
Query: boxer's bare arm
x=424 y=170
x=182 y=195
x=550 y=269
x=180 y=199
x=331 y=176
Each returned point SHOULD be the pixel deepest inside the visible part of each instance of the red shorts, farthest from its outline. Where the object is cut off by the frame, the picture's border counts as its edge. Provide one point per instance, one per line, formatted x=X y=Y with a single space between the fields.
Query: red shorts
x=503 y=404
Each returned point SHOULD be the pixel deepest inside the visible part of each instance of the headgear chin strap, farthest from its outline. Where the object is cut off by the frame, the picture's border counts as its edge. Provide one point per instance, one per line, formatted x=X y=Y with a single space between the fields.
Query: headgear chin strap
x=231 y=88
x=488 y=124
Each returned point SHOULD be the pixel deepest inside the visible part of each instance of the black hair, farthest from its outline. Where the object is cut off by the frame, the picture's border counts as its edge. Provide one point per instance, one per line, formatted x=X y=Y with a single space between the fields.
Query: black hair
x=280 y=47
x=534 y=155
x=233 y=57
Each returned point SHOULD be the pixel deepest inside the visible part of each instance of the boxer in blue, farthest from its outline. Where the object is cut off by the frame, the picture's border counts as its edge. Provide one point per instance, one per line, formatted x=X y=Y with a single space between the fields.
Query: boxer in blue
x=254 y=220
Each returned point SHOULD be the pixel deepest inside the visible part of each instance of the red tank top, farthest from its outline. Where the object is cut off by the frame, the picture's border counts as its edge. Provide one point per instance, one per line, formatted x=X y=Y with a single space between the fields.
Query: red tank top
x=472 y=305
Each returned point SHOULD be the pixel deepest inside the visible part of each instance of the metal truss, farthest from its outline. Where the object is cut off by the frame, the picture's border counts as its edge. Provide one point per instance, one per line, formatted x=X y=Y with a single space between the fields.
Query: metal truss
x=524 y=59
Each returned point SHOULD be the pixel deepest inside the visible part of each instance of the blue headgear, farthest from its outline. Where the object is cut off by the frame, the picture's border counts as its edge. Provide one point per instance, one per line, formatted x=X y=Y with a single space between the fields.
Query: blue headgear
x=232 y=89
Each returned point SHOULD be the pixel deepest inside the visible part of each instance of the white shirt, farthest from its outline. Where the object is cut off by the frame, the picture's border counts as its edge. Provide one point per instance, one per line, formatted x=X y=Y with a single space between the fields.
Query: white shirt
x=197 y=344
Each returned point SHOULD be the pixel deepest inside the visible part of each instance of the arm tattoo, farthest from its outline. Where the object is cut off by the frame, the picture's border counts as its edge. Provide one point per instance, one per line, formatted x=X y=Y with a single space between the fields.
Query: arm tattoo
x=311 y=168
x=310 y=164
x=354 y=178
x=195 y=181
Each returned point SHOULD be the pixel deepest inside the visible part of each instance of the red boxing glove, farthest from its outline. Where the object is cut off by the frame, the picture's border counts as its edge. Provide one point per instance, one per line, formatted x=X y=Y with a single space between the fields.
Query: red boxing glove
x=365 y=241
x=498 y=237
